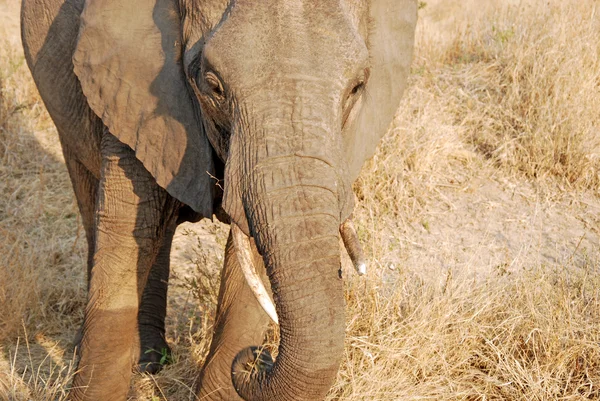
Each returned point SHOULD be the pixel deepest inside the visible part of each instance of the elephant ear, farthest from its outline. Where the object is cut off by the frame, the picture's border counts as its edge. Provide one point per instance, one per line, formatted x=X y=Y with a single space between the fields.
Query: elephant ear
x=390 y=42
x=128 y=60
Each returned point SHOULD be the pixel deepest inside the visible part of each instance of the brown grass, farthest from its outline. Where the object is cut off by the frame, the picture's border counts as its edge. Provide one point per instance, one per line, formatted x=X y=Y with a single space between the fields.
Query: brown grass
x=531 y=335
x=524 y=87
x=38 y=217
x=505 y=94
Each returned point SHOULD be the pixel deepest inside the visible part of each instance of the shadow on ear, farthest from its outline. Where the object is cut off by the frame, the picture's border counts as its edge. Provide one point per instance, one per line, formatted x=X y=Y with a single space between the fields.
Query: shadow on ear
x=128 y=59
x=390 y=43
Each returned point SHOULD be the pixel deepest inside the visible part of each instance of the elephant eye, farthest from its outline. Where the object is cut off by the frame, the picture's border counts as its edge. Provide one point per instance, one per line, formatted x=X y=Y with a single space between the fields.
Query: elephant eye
x=357 y=88
x=214 y=85
x=353 y=95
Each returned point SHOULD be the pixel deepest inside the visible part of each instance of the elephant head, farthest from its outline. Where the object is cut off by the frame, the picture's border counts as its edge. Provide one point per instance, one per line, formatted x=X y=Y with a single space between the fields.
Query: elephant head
x=292 y=96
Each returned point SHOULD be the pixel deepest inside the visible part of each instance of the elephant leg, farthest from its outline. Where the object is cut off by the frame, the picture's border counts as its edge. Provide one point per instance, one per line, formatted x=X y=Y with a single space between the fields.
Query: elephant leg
x=240 y=323
x=85 y=186
x=132 y=215
x=154 y=350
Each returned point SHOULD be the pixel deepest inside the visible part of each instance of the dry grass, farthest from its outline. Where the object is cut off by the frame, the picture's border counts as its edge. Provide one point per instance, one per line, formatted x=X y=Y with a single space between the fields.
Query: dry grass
x=498 y=94
x=524 y=87
x=532 y=335
x=38 y=216
x=41 y=287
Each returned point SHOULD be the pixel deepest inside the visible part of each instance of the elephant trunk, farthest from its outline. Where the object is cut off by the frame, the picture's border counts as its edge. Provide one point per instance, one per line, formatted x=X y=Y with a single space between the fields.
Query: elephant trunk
x=294 y=216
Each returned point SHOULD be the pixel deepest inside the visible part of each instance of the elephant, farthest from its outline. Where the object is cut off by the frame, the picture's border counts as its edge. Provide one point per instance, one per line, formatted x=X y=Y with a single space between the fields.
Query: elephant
x=260 y=113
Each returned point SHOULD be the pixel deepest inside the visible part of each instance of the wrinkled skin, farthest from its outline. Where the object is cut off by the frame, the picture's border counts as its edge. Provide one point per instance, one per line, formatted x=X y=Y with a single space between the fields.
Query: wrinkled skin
x=261 y=112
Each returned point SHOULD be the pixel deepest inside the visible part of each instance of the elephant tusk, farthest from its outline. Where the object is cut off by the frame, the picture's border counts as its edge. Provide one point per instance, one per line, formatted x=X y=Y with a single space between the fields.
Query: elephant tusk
x=353 y=247
x=244 y=254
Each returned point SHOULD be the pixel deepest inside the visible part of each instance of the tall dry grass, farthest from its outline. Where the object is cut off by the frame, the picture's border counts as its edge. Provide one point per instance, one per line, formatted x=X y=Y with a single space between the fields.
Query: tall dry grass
x=510 y=92
x=38 y=216
x=524 y=86
x=530 y=96
x=532 y=335
x=41 y=287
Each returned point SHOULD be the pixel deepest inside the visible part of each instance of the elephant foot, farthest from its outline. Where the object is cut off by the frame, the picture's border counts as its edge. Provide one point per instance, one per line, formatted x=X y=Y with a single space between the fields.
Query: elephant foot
x=154 y=355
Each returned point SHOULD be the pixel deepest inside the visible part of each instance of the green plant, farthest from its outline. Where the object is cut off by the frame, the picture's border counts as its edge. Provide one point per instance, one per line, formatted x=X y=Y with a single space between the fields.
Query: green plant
x=165 y=358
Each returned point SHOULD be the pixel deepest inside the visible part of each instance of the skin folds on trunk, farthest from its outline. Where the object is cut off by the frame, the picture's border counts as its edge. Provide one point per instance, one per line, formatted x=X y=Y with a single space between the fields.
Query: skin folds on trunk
x=294 y=218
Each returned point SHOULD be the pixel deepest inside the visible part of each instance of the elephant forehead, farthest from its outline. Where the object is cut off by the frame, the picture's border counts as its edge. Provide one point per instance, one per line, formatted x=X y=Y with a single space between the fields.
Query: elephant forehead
x=271 y=38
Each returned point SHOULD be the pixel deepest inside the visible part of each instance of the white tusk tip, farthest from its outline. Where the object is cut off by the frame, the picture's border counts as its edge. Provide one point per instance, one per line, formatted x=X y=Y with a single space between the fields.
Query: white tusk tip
x=273 y=317
x=269 y=309
x=263 y=299
x=361 y=269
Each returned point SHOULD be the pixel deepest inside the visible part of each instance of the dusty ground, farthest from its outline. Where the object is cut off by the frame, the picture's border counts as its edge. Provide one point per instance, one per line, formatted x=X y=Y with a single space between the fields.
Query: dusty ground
x=449 y=215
